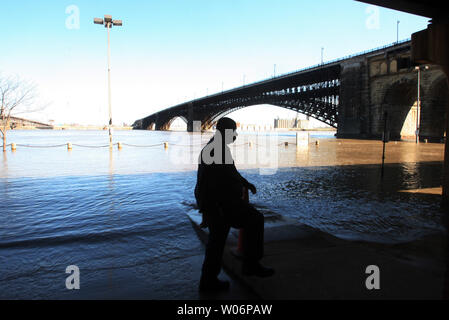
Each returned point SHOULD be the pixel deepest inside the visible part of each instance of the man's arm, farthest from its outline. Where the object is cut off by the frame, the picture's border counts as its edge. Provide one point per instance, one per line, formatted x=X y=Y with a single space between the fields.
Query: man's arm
x=245 y=182
x=230 y=173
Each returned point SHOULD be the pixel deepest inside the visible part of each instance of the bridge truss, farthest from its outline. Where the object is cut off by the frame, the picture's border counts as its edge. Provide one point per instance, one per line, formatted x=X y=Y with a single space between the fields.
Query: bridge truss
x=313 y=92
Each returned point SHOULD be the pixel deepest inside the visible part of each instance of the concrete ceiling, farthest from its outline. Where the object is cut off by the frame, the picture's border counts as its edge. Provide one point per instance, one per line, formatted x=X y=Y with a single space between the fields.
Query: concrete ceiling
x=435 y=9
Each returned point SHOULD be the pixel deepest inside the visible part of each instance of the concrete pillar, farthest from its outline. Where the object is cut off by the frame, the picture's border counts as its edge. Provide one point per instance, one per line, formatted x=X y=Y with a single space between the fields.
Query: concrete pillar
x=189 y=125
x=431 y=46
x=302 y=138
x=445 y=197
x=193 y=125
x=353 y=101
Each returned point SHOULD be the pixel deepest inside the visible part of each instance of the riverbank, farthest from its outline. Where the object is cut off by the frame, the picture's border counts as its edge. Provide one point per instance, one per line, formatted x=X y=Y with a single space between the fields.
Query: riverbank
x=310 y=264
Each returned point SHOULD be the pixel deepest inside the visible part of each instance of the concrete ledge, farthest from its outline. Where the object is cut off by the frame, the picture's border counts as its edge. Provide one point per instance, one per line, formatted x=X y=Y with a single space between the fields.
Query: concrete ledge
x=310 y=264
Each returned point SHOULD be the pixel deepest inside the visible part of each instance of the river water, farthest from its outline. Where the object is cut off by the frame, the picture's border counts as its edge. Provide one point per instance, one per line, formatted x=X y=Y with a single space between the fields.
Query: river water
x=120 y=215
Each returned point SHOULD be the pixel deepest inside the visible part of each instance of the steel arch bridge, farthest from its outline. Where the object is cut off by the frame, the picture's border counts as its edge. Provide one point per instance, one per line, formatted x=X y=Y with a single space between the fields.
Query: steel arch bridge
x=313 y=92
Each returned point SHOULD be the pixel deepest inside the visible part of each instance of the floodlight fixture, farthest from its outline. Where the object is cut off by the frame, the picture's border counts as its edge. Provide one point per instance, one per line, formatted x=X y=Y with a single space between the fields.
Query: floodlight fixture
x=108 y=23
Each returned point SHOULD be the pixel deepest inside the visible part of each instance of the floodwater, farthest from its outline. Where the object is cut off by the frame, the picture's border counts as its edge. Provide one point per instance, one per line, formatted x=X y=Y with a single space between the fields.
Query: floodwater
x=119 y=215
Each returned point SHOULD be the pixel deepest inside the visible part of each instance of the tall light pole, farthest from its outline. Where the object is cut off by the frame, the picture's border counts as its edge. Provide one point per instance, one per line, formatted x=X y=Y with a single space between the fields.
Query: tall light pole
x=418 y=102
x=322 y=50
x=108 y=23
x=397 y=31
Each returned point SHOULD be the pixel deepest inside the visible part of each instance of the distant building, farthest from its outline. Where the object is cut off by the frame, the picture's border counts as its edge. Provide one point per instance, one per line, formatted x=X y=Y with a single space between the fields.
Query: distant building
x=291 y=124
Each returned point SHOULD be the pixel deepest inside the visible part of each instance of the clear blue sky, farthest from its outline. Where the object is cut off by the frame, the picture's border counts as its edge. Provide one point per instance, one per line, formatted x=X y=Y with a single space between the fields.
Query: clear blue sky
x=170 y=51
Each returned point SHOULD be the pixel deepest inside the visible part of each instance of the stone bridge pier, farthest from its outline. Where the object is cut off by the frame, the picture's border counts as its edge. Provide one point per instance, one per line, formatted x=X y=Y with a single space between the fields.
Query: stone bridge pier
x=388 y=82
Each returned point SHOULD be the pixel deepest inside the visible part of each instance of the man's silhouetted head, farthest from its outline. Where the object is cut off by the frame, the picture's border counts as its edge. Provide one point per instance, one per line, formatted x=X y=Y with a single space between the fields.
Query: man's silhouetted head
x=226 y=123
x=227 y=127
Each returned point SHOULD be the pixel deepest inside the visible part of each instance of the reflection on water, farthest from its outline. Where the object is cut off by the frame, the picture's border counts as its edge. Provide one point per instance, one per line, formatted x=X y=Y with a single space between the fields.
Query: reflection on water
x=266 y=151
x=354 y=203
x=109 y=210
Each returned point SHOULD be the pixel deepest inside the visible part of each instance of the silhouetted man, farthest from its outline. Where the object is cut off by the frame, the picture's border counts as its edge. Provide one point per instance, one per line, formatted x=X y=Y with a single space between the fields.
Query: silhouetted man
x=218 y=193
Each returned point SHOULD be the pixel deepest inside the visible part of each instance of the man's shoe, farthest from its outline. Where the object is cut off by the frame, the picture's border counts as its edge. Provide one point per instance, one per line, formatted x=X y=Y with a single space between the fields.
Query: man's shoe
x=256 y=269
x=213 y=285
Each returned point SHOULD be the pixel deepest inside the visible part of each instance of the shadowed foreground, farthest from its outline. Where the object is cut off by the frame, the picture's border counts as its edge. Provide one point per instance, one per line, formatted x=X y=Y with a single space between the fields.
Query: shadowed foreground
x=313 y=265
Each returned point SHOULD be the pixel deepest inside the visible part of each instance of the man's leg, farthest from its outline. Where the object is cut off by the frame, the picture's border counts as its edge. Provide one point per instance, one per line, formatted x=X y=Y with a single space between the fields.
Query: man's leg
x=253 y=232
x=218 y=233
x=244 y=215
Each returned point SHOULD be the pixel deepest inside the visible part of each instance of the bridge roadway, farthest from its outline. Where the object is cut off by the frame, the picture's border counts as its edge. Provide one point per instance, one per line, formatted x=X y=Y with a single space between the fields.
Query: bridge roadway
x=351 y=94
x=313 y=91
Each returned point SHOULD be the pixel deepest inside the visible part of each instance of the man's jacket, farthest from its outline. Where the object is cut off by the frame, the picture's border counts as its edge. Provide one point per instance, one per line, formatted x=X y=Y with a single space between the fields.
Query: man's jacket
x=218 y=181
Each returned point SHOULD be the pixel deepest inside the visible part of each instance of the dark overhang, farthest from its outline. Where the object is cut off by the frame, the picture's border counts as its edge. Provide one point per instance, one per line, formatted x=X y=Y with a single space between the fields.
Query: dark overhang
x=435 y=9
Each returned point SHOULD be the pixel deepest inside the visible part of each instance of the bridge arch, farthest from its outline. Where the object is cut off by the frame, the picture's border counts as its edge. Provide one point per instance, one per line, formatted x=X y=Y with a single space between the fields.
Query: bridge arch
x=151 y=126
x=307 y=108
x=400 y=103
x=168 y=124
